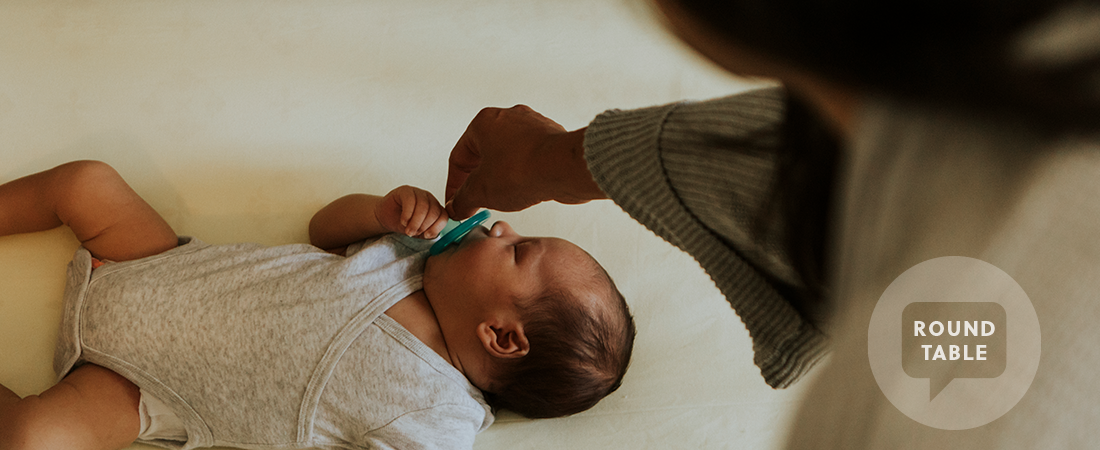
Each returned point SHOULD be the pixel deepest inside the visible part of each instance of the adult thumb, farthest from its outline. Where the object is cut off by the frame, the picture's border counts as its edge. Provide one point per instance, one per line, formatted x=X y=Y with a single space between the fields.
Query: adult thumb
x=463 y=204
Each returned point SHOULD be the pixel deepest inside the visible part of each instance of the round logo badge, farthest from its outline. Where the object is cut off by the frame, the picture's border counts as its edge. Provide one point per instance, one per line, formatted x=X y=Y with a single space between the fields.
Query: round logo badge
x=954 y=343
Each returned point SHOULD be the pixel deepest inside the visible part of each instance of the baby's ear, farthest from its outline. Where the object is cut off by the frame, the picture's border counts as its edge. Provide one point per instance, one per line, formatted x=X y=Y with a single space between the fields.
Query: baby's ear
x=504 y=341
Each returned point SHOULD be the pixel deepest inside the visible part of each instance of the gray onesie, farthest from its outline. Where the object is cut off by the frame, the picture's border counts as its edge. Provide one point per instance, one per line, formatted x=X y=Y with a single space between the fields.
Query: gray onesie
x=272 y=347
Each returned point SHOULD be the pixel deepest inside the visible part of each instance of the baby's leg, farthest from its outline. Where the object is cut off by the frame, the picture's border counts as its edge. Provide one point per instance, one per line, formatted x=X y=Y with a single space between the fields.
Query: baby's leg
x=92 y=408
x=107 y=216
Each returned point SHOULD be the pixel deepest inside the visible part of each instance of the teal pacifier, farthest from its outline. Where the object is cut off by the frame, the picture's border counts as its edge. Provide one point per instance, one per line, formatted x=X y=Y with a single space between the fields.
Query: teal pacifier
x=455 y=231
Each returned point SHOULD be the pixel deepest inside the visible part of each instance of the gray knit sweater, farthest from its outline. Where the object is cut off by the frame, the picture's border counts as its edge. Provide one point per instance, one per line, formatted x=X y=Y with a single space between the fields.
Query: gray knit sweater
x=697 y=175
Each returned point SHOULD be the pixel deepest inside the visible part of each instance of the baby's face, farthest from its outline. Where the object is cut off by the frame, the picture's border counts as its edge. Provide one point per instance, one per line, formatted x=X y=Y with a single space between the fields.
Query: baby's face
x=497 y=267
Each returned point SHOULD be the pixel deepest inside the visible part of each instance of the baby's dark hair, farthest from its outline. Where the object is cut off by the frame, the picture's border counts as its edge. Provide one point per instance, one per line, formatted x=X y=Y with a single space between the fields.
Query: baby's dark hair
x=575 y=358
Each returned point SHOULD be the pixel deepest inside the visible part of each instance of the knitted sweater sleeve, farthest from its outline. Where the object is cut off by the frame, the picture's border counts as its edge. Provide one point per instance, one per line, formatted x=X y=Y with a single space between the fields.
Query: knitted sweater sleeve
x=698 y=175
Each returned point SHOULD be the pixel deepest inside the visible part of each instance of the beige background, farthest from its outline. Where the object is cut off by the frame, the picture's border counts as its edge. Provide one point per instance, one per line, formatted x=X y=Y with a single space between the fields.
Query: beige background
x=237 y=120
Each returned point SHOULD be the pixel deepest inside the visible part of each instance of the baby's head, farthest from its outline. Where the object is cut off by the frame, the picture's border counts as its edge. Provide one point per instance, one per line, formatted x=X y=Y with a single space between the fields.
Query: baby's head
x=535 y=323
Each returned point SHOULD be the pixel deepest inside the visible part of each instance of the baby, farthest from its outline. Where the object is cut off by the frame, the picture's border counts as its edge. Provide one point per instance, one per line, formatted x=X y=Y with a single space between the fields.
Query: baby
x=358 y=341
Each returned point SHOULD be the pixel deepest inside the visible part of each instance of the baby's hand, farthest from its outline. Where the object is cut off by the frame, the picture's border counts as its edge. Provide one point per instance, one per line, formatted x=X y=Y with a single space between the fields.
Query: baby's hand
x=412 y=212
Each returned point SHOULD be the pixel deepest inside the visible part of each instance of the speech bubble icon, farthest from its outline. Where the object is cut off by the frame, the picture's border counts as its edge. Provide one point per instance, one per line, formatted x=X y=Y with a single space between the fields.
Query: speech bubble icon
x=942 y=341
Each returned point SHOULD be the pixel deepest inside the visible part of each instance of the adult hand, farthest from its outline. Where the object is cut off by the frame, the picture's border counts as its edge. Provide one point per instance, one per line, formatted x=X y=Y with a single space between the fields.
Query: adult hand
x=511 y=159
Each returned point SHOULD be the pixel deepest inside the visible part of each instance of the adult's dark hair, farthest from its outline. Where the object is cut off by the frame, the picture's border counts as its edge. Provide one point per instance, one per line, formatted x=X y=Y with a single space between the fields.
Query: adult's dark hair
x=575 y=358
x=1035 y=59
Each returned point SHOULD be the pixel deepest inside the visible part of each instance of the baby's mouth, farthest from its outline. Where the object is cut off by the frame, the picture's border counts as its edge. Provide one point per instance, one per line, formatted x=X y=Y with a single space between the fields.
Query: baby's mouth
x=475 y=234
x=478 y=232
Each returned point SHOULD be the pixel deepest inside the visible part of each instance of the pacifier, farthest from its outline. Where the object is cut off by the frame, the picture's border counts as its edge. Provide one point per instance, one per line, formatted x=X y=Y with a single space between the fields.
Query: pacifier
x=455 y=231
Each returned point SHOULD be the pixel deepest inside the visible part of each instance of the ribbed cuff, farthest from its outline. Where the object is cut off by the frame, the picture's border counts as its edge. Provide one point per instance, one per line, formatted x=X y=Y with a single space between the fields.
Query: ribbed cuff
x=624 y=154
x=622 y=150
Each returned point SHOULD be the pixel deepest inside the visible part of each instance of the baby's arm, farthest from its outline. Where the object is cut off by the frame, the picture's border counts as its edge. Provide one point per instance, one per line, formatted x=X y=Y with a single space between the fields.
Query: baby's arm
x=352 y=218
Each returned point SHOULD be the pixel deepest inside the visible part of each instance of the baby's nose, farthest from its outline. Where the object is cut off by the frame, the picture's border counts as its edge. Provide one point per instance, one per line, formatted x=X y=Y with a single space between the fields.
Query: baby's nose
x=501 y=229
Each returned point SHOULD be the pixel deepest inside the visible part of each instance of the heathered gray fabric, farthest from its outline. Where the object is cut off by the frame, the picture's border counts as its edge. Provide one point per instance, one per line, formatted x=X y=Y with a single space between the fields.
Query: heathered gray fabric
x=273 y=347
x=697 y=175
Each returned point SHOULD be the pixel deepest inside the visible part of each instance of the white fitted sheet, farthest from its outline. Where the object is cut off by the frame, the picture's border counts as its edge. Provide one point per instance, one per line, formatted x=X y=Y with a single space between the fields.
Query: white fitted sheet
x=238 y=120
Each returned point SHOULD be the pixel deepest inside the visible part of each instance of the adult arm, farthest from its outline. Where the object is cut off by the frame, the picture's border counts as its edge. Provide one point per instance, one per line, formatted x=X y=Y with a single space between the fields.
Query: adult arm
x=699 y=175
x=717 y=157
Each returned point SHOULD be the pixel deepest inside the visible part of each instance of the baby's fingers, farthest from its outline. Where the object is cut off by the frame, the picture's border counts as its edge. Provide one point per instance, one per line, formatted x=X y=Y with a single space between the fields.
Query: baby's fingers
x=425 y=215
x=434 y=223
x=405 y=196
x=414 y=212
